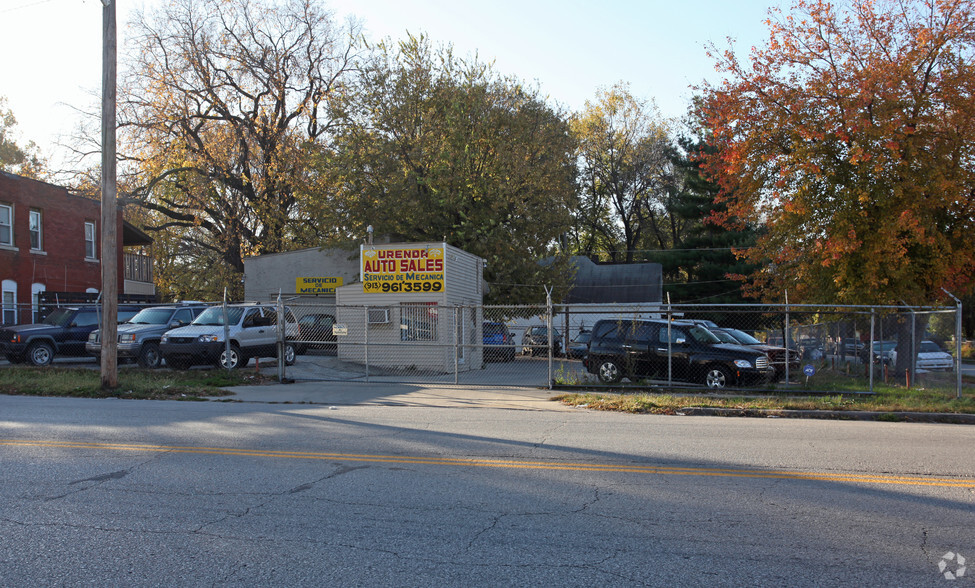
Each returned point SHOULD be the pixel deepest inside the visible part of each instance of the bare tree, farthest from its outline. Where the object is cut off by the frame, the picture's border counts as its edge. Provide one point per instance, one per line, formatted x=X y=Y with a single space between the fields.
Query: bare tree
x=219 y=100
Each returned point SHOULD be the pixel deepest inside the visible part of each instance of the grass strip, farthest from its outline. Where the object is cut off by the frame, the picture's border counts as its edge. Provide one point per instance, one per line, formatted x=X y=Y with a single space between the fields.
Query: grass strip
x=133 y=383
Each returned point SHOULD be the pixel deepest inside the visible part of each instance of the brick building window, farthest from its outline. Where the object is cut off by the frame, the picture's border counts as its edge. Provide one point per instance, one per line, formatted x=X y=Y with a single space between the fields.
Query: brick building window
x=36 y=243
x=90 y=240
x=6 y=224
x=8 y=302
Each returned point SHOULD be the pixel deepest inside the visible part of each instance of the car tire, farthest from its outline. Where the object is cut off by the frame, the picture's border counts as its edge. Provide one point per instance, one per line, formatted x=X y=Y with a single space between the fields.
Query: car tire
x=290 y=354
x=149 y=357
x=40 y=353
x=609 y=372
x=234 y=361
x=717 y=376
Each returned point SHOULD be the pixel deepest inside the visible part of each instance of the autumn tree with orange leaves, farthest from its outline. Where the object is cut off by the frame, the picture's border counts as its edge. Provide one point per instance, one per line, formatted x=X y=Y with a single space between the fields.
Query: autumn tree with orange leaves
x=849 y=140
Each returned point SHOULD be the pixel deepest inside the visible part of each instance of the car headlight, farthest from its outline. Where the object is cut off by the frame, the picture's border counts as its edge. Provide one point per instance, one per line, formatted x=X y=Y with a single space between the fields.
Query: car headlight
x=164 y=339
x=208 y=339
x=126 y=338
x=93 y=338
x=743 y=363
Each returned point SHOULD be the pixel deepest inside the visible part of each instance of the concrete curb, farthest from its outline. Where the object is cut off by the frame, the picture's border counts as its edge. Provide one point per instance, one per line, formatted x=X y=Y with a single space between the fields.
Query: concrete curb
x=843 y=415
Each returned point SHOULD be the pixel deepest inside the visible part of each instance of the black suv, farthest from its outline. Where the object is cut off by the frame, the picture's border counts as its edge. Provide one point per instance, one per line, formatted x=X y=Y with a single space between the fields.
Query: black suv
x=649 y=348
x=63 y=332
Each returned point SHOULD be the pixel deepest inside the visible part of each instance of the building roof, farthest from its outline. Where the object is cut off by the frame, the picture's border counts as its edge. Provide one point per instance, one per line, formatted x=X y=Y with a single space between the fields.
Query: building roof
x=600 y=283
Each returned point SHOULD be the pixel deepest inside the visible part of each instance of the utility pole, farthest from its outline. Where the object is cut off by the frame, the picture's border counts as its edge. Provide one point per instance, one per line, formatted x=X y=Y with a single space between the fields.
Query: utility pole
x=109 y=233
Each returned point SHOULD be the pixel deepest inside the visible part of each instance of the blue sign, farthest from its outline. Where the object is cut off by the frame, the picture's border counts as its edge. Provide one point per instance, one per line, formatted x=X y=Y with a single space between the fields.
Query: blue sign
x=808 y=369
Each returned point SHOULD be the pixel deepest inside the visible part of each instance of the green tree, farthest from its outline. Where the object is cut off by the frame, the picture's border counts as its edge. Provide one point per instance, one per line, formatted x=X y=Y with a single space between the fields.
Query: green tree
x=24 y=160
x=438 y=148
x=703 y=266
x=621 y=153
x=216 y=111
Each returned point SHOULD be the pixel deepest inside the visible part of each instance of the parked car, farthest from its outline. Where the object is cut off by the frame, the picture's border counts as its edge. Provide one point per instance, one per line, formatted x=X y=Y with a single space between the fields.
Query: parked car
x=579 y=346
x=315 y=331
x=499 y=343
x=811 y=348
x=138 y=337
x=775 y=353
x=647 y=348
x=929 y=357
x=881 y=351
x=535 y=341
x=63 y=332
x=253 y=332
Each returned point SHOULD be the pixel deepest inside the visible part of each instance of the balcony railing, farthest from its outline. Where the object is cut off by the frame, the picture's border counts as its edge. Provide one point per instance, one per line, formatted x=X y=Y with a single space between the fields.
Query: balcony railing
x=138 y=267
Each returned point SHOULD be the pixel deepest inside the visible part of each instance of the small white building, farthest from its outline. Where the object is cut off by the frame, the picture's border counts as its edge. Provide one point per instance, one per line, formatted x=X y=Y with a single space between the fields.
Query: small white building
x=415 y=306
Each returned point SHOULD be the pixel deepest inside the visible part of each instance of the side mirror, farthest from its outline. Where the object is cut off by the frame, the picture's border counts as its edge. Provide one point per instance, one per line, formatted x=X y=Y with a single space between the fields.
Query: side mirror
x=680 y=341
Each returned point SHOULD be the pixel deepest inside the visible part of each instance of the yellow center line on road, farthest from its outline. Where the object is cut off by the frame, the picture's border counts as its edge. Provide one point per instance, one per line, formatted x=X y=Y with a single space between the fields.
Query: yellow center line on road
x=913 y=480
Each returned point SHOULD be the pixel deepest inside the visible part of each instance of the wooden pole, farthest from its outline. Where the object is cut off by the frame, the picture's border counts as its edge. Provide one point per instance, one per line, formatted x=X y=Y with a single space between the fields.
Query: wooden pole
x=109 y=232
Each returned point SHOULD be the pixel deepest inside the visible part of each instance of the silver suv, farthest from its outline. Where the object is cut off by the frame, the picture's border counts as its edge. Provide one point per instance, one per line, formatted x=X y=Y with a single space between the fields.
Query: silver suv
x=138 y=337
x=253 y=332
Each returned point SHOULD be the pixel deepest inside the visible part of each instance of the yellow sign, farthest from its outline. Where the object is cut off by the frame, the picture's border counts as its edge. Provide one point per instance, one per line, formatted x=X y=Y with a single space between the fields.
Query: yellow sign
x=325 y=285
x=410 y=269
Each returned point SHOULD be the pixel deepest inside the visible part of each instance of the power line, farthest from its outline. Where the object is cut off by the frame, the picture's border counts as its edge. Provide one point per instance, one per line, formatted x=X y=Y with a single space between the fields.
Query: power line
x=23 y=6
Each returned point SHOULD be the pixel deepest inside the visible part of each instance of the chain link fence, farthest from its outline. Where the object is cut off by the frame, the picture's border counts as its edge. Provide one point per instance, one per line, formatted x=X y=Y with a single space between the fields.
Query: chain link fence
x=812 y=348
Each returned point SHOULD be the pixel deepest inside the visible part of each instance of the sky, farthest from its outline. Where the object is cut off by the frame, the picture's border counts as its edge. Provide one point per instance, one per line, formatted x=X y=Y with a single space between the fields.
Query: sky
x=51 y=50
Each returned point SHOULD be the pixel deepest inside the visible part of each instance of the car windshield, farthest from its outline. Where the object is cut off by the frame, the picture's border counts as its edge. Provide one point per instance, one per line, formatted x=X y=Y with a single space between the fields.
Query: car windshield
x=930 y=347
x=702 y=335
x=151 y=316
x=583 y=337
x=59 y=317
x=744 y=337
x=725 y=337
x=213 y=316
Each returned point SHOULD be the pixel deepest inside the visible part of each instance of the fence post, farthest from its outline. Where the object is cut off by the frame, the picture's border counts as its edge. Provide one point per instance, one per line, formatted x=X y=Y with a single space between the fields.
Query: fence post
x=226 y=331
x=457 y=349
x=365 y=343
x=785 y=339
x=282 y=328
x=957 y=344
x=548 y=327
x=870 y=351
x=670 y=355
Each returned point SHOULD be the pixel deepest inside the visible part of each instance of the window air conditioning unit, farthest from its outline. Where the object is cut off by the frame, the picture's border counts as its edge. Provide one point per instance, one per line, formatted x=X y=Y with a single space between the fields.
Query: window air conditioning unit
x=378 y=316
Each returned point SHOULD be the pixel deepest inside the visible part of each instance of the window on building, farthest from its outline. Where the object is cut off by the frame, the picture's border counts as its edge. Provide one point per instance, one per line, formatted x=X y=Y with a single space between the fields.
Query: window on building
x=8 y=302
x=6 y=224
x=418 y=321
x=90 y=240
x=35 y=230
x=35 y=301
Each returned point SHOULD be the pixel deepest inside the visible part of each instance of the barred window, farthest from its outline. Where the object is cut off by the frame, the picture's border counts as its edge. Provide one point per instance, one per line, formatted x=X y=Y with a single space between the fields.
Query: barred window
x=418 y=321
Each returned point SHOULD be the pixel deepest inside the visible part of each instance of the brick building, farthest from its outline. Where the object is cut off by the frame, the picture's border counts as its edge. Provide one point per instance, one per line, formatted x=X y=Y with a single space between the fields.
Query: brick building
x=50 y=241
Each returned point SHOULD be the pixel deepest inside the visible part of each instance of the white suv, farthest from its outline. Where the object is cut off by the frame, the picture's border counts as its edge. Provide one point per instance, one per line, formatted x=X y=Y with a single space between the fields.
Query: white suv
x=253 y=333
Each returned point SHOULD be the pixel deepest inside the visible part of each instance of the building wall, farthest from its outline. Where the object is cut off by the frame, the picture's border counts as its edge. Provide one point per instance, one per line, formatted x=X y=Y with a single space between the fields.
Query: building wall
x=266 y=275
x=60 y=264
x=462 y=286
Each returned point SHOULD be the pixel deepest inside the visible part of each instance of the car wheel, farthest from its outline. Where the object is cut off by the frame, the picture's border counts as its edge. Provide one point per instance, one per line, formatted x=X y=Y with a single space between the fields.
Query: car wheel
x=290 y=354
x=231 y=361
x=717 y=376
x=40 y=353
x=149 y=357
x=609 y=372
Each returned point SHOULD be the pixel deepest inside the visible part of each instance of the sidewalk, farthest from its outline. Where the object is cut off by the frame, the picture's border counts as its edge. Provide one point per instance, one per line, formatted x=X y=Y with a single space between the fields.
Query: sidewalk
x=334 y=393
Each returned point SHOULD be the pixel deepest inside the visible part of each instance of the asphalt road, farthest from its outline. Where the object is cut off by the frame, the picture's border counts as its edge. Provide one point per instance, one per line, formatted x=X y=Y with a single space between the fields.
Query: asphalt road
x=140 y=493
